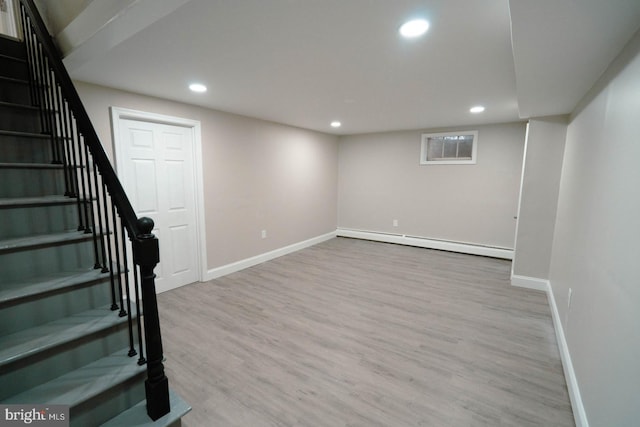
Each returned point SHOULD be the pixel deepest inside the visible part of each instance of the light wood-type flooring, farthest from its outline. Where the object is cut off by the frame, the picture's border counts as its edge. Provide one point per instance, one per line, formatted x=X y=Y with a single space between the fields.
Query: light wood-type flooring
x=358 y=333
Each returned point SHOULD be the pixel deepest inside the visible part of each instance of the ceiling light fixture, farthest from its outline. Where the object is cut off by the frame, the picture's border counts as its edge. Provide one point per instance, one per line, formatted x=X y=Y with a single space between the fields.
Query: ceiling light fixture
x=335 y=124
x=413 y=29
x=197 y=87
x=477 y=109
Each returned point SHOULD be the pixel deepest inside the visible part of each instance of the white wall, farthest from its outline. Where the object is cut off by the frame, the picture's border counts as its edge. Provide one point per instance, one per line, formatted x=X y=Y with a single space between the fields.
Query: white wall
x=8 y=17
x=539 y=197
x=596 y=250
x=258 y=175
x=380 y=179
x=59 y=13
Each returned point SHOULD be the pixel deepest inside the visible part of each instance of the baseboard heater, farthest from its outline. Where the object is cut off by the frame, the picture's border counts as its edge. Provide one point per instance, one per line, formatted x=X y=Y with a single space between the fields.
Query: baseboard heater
x=423 y=242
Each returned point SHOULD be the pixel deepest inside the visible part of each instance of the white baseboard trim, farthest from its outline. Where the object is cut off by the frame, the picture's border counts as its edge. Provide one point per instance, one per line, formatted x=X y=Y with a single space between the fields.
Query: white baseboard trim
x=530 y=283
x=259 y=259
x=579 y=414
x=423 y=242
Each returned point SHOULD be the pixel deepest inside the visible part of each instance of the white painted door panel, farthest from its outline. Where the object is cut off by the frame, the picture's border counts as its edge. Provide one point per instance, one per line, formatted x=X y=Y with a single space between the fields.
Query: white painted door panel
x=158 y=175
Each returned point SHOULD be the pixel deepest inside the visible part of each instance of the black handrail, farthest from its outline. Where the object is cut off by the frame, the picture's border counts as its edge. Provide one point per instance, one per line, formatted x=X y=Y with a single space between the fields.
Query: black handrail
x=103 y=207
x=120 y=200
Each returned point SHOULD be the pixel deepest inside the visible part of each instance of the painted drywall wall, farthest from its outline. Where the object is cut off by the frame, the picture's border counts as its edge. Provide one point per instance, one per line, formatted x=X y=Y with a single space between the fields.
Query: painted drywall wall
x=380 y=179
x=539 y=196
x=595 y=250
x=258 y=175
x=60 y=13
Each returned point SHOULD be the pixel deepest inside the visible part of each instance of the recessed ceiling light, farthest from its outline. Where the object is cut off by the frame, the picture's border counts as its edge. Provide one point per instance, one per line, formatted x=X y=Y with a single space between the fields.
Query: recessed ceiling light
x=477 y=109
x=415 y=28
x=335 y=124
x=197 y=87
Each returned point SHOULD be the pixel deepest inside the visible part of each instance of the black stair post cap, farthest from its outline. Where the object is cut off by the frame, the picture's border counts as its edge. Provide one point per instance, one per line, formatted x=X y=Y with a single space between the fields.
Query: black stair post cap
x=145 y=225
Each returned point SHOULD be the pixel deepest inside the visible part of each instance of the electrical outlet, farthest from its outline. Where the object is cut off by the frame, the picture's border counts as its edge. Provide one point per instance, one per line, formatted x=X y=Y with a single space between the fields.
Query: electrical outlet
x=395 y=222
x=569 y=298
x=264 y=234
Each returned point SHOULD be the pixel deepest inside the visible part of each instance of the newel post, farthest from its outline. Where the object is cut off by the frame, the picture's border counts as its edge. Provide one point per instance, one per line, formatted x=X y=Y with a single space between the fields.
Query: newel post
x=146 y=254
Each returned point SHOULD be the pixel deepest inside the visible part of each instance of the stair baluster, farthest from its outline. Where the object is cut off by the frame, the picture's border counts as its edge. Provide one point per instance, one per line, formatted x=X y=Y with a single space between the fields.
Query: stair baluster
x=107 y=234
x=62 y=131
x=136 y=282
x=97 y=209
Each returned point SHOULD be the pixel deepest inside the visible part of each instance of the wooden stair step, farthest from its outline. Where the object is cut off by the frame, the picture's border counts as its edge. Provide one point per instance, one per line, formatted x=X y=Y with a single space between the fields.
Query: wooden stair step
x=26 y=107
x=45 y=240
x=14 y=105
x=136 y=416
x=24 y=202
x=15 y=89
x=21 y=134
x=12 y=66
x=41 y=286
x=5 y=57
x=30 y=342
x=84 y=383
x=12 y=46
x=5 y=79
x=34 y=135
x=31 y=166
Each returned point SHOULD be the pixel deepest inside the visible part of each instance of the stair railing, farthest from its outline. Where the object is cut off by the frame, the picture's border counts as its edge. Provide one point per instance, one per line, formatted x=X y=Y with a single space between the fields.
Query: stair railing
x=102 y=205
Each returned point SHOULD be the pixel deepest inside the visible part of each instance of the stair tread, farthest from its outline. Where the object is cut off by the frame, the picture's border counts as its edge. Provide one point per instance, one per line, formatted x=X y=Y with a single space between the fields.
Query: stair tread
x=31 y=166
x=13 y=58
x=35 y=201
x=43 y=240
x=21 y=106
x=28 y=107
x=29 y=342
x=83 y=384
x=14 y=80
x=26 y=134
x=18 y=133
x=42 y=285
x=136 y=416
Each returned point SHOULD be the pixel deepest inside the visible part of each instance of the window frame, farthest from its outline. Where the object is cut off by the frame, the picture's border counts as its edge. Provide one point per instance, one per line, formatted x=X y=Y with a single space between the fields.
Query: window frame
x=453 y=161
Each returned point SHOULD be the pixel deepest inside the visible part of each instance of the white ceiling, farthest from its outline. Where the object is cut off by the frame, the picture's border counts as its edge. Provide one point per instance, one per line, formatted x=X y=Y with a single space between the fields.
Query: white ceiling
x=561 y=47
x=308 y=62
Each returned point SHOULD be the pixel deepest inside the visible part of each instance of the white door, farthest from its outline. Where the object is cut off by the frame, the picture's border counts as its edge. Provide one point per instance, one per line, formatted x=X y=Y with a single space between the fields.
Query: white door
x=157 y=171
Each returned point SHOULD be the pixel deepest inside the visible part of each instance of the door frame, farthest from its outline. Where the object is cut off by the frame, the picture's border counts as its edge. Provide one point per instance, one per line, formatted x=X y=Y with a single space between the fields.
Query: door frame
x=118 y=114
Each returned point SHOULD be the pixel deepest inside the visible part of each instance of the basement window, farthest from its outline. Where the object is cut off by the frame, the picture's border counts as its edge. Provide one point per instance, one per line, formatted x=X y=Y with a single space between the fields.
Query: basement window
x=449 y=148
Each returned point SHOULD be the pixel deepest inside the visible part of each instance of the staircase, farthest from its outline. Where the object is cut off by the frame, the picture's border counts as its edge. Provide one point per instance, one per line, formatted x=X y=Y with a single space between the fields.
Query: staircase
x=71 y=330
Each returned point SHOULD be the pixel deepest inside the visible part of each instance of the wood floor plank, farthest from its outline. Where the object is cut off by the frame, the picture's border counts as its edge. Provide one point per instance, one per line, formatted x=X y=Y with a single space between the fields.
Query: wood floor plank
x=358 y=333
